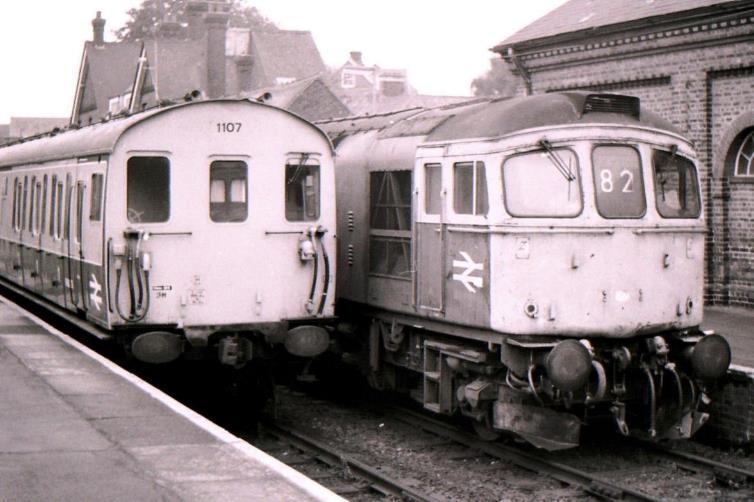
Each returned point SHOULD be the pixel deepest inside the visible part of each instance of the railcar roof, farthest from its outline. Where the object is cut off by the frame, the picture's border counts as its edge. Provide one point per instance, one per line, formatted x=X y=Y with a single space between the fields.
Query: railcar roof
x=501 y=117
x=96 y=139
x=492 y=118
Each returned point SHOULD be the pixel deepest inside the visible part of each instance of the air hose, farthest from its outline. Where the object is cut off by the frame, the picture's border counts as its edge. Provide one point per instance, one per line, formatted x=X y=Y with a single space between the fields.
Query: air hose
x=320 y=237
x=137 y=278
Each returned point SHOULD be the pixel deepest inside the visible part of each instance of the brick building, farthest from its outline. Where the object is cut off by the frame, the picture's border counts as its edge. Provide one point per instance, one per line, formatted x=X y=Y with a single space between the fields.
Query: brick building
x=208 y=59
x=693 y=62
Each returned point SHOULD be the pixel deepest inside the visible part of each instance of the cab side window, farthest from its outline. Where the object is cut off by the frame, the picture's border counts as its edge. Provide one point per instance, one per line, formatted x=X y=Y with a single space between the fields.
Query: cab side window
x=469 y=188
x=148 y=189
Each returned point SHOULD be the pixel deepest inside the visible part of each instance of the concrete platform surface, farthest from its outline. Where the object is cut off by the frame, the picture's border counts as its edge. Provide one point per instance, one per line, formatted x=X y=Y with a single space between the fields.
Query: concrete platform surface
x=73 y=427
x=737 y=326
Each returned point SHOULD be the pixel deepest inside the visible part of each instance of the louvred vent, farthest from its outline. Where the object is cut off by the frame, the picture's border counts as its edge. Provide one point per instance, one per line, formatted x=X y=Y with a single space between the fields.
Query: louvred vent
x=612 y=103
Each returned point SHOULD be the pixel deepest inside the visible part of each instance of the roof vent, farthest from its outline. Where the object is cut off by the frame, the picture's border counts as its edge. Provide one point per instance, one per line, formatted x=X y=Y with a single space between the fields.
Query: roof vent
x=612 y=103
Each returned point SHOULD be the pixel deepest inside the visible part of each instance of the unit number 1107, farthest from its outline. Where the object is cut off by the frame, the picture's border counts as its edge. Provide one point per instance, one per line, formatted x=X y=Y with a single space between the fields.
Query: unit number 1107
x=229 y=127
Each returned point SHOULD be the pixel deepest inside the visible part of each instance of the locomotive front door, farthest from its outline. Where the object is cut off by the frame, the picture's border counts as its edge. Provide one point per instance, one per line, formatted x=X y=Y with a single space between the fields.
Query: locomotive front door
x=430 y=238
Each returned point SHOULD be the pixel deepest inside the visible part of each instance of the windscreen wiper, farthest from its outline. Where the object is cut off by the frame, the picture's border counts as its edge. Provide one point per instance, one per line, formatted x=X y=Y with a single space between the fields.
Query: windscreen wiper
x=562 y=168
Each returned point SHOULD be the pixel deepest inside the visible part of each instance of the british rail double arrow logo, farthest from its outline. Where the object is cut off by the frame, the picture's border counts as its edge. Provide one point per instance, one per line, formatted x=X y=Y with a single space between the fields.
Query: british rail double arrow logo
x=469 y=266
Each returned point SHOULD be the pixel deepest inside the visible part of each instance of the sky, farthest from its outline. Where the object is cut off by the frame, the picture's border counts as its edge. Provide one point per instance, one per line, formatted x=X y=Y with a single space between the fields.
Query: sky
x=442 y=44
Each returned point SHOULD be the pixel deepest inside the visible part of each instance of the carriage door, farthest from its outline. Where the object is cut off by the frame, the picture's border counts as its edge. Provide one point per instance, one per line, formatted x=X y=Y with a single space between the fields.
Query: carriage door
x=85 y=242
x=430 y=238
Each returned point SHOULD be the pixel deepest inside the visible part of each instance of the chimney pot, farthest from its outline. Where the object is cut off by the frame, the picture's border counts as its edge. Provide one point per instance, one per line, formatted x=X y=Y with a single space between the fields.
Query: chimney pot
x=98 y=29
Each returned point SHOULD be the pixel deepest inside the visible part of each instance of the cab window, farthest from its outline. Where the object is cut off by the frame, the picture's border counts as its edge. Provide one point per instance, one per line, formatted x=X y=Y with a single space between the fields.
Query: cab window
x=301 y=192
x=469 y=188
x=542 y=184
x=390 y=224
x=148 y=189
x=676 y=187
x=618 y=185
x=228 y=191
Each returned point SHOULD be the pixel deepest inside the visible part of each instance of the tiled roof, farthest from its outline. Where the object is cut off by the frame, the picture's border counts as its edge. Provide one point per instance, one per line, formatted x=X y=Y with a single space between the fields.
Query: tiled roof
x=310 y=98
x=579 y=15
x=112 y=67
x=176 y=66
x=287 y=54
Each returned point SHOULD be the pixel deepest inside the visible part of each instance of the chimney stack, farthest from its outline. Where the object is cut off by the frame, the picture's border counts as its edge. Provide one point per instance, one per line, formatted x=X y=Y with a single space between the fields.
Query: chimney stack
x=98 y=29
x=216 y=23
x=195 y=11
x=356 y=58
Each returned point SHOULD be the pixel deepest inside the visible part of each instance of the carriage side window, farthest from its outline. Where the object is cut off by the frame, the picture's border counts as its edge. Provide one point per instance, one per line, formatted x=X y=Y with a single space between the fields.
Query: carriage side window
x=17 y=205
x=148 y=189
x=35 y=217
x=59 y=211
x=32 y=203
x=390 y=224
x=676 y=187
x=618 y=185
x=432 y=188
x=542 y=184
x=95 y=202
x=301 y=192
x=43 y=209
x=23 y=204
x=228 y=191
x=469 y=188
x=53 y=204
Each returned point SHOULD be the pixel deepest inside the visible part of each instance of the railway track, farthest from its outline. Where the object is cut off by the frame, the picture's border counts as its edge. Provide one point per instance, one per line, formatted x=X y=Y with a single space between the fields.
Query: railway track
x=343 y=474
x=593 y=484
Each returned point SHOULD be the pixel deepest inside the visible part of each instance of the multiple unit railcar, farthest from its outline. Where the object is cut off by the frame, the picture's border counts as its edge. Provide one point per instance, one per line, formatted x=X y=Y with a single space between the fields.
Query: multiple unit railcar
x=205 y=228
x=533 y=263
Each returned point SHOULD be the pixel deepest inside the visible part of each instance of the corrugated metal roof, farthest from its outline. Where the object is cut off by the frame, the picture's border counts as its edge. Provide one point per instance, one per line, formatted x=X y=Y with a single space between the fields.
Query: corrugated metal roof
x=579 y=15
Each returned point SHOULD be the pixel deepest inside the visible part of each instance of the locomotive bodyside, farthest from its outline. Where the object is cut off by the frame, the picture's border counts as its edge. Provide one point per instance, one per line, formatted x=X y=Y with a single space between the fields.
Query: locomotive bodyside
x=531 y=263
x=206 y=227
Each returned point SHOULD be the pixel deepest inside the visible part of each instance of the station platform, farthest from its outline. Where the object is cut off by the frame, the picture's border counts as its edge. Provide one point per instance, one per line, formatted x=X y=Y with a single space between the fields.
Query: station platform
x=74 y=426
x=737 y=326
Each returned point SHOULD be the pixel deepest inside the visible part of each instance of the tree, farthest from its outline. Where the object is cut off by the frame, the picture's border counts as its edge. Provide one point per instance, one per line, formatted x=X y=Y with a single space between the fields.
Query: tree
x=497 y=82
x=145 y=19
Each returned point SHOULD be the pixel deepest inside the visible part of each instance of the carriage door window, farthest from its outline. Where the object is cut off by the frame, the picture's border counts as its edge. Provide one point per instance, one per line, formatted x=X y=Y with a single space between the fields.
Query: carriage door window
x=676 y=189
x=469 y=188
x=228 y=191
x=618 y=182
x=432 y=188
x=301 y=191
x=53 y=205
x=95 y=203
x=148 y=192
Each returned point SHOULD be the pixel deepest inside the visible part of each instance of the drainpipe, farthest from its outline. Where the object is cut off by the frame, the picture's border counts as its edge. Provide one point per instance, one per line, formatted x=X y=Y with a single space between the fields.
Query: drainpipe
x=521 y=69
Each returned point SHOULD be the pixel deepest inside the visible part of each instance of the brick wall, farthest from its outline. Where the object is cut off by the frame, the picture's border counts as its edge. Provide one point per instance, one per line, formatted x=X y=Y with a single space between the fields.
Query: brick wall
x=732 y=410
x=700 y=76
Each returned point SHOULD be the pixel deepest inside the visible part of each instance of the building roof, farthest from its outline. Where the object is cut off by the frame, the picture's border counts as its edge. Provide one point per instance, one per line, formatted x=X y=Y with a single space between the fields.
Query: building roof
x=110 y=70
x=24 y=127
x=284 y=54
x=311 y=98
x=576 y=16
x=176 y=66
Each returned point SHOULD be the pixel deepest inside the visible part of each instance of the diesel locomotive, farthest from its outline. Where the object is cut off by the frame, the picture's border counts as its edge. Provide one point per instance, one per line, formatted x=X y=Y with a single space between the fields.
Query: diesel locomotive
x=533 y=263
x=204 y=230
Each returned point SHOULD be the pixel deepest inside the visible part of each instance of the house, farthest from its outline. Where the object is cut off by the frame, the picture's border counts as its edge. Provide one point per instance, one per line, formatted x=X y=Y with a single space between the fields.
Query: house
x=211 y=60
x=690 y=60
x=368 y=90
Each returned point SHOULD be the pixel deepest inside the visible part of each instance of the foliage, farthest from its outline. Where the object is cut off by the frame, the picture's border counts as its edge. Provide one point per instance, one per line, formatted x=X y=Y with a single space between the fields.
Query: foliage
x=144 y=20
x=497 y=82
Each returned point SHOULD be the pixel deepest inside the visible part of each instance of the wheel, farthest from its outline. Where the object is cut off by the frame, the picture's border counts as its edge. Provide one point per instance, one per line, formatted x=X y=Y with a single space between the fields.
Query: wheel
x=483 y=428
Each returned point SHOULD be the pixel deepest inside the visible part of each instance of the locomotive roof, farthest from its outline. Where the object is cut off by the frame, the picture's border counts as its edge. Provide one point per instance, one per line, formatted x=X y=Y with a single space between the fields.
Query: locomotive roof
x=499 y=117
x=96 y=139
